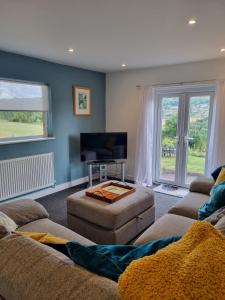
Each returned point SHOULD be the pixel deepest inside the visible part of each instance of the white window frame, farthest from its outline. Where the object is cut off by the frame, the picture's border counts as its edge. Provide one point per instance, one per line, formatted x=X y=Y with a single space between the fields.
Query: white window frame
x=41 y=105
x=183 y=91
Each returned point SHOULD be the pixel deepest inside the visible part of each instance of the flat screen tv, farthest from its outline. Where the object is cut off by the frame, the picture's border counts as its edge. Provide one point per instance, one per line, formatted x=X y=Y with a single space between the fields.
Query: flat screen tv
x=103 y=146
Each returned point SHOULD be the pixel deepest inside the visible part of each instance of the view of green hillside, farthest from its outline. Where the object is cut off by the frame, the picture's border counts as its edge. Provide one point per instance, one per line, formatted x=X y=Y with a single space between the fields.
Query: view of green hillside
x=197 y=133
x=19 y=124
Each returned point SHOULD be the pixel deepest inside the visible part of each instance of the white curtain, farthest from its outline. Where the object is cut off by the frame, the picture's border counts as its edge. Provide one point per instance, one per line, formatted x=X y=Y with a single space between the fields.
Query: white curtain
x=216 y=149
x=145 y=130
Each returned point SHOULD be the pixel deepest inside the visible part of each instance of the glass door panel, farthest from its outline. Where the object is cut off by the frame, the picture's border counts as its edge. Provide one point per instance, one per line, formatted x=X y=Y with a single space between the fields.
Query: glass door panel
x=197 y=136
x=168 y=144
x=182 y=136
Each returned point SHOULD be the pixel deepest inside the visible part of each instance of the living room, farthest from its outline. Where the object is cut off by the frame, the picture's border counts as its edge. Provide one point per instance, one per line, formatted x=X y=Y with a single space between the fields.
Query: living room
x=111 y=143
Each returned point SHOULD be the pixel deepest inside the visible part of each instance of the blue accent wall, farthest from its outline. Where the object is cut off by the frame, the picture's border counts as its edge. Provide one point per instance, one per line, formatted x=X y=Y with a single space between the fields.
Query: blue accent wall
x=66 y=127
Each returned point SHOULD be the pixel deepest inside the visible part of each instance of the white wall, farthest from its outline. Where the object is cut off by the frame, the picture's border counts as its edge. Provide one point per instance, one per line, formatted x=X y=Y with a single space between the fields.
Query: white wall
x=122 y=95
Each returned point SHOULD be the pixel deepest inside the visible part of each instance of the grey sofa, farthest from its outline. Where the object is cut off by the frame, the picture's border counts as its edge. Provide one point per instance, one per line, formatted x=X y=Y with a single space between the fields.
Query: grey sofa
x=32 y=271
x=180 y=217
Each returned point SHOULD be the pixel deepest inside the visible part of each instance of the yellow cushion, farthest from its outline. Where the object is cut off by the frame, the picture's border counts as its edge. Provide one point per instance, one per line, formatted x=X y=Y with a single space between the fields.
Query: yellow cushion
x=221 y=176
x=192 y=268
x=44 y=238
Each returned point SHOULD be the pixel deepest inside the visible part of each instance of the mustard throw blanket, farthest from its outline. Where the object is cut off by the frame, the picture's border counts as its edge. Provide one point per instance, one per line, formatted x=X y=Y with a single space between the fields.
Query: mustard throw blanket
x=192 y=268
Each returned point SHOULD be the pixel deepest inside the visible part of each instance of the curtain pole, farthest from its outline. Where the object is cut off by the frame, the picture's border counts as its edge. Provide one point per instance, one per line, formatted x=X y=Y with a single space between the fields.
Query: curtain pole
x=176 y=83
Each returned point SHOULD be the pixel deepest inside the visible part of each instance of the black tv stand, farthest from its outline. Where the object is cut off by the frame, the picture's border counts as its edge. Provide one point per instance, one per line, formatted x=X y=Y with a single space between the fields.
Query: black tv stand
x=102 y=165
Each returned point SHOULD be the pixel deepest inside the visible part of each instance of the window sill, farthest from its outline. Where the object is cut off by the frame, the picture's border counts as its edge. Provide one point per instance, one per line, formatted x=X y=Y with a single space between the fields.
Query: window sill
x=26 y=140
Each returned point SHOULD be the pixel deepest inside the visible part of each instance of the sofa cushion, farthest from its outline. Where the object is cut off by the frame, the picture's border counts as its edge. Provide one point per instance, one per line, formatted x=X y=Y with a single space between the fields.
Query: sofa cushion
x=7 y=225
x=46 y=225
x=216 y=201
x=167 y=226
x=33 y=271
x=216 y=216
x=24 y=211
x=216 y=172
x=220 y=225
x=202 y=185
x=189 y=205
x=221 y=176
x=4 y=231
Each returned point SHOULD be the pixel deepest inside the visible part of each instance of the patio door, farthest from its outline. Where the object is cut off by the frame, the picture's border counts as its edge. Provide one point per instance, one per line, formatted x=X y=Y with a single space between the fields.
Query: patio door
x=181 y=136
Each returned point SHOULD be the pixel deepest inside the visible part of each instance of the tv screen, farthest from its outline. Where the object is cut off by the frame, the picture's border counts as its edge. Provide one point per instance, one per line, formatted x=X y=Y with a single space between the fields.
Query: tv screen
x=103 y=146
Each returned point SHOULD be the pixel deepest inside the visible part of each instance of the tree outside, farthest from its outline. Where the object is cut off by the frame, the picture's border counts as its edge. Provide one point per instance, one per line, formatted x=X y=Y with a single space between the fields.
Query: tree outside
x=21 y=124
x=197 y=132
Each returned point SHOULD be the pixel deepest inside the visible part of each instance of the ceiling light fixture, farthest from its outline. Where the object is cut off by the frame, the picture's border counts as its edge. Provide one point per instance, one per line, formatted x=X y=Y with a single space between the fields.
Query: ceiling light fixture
x=222 y=50
x=191 y=21
x=71 y=50
x=123 y=65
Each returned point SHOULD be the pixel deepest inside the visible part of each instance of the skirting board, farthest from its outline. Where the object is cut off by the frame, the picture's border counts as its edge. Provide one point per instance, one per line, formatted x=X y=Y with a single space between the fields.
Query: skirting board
x=51 y=190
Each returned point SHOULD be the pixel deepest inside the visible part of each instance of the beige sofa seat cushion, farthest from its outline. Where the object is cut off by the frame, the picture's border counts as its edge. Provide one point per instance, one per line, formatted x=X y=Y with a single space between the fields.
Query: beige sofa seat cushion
x=110 y=216
x=32 y=271
x=166 y=226
x=24 y=211
x=46 y=225
x=189 y=205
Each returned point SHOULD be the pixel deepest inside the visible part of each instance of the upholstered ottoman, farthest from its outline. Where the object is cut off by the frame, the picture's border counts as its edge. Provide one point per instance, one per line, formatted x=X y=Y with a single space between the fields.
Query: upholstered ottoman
x=116 y=223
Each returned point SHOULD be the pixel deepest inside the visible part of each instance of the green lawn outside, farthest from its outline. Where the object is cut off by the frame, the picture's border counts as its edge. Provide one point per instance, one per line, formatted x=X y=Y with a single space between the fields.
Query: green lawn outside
x=15 y=129
x=195 y=164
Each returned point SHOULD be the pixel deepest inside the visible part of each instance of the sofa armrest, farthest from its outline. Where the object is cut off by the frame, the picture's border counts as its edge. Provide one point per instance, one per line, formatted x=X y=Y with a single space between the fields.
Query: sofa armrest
x=24 y=211
x=202 y=185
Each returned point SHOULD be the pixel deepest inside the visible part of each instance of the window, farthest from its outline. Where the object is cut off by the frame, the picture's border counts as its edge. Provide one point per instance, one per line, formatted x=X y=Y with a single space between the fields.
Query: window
x=181 y=140
x=23 y=110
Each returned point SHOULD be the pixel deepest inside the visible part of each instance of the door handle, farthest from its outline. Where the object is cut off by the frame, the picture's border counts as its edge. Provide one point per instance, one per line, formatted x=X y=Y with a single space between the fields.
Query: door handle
x=187 y=138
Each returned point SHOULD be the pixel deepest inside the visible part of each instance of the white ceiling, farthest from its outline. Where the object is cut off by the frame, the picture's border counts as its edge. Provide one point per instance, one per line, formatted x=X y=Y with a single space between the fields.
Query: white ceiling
x=107 y=33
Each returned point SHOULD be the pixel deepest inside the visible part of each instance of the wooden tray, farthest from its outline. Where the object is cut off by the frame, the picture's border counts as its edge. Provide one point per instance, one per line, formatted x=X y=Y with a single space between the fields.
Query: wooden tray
x=110 y=192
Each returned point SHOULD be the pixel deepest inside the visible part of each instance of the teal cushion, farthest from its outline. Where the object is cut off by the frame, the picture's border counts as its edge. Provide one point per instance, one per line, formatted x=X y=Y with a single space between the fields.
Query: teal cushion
x=216 y=201
x=111 y=260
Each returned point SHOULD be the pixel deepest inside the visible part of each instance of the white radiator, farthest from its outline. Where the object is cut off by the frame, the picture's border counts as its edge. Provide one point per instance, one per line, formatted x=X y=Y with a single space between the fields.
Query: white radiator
x=25 y=174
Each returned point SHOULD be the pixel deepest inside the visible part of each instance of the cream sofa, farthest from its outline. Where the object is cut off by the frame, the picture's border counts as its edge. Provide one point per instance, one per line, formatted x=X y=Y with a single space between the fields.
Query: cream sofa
x=32 y=271
x=180 y=217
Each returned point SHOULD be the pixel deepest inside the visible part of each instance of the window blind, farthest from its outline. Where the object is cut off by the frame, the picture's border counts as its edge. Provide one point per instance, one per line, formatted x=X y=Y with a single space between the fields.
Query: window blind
x=19 y=96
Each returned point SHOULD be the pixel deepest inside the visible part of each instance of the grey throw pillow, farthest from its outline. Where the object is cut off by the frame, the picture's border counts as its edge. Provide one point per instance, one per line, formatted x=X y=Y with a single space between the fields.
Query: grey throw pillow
x=216 y=216
x=3 y=231
x=220 y=225
x=7 y=225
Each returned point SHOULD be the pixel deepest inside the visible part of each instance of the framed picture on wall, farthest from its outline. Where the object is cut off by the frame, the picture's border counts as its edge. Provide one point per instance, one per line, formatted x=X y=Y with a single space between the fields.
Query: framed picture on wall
x=81 y=101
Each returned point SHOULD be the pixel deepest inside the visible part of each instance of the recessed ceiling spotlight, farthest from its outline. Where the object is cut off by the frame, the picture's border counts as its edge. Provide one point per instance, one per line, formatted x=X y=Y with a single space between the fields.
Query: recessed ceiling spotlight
x=123 y=65
x=222 y=50
x=191 y=21
x=71 y=50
